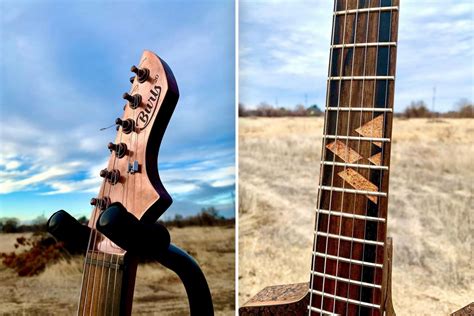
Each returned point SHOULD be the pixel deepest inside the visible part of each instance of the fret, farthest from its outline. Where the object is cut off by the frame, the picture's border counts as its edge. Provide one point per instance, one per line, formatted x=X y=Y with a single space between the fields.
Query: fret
x=377 y=9
x=353 y=165
x=321 y=311
x=348 y=260
x=104 y=263
x=351 y=215
x=360 y=109
x=362 y=78
x=340 y=279
x=344 y=299
x=373 y=44
x=345 y=190
x=351 y=239
x=361 y=138
x=102 y=290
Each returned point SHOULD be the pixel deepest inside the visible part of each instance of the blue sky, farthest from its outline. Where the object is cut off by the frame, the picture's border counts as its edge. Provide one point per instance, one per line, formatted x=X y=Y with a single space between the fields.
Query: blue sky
x=284 y=52
x=64 y=67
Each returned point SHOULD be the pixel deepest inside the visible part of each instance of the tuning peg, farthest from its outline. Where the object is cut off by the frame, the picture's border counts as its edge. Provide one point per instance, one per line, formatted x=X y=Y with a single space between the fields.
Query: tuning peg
x=103 y=173
x=112 y=176
x=101 y=203
x=132 y=79
x=128 y=125
x=133 y=100
x=120 y=149
x=142 y=73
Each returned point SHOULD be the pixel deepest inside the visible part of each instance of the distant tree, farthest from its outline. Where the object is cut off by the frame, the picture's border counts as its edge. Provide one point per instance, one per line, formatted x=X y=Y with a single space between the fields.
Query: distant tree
x=242 y=110
x=300 y=110
x=314 y=110
x=417 y=109
x=9 y=225
x=83 y=220
x=465 y=108
x=40 y=220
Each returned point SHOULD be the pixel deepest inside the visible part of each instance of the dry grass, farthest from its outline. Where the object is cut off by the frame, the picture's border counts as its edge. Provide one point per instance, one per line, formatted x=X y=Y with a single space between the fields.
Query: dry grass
x=157 y=291
x=430 y=212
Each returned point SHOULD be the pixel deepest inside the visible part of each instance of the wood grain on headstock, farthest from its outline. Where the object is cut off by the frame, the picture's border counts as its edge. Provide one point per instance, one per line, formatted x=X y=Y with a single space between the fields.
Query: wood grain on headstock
x=142 y=193
x=109 y=274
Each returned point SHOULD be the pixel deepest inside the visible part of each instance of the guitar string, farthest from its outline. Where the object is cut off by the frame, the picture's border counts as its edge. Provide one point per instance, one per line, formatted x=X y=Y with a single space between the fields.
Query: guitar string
x=90 y=247
x=341 y=219
x=321 y=167
x=106 y=240
x=384 y=123
x=100 y=241
x=84 y=273
x=334 y=159
x=125 y=194
x=374 y=92
x=358 y=148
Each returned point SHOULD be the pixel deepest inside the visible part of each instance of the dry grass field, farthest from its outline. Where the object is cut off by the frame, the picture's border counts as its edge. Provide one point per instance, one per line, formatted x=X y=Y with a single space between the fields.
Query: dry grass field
x=157 y=292
x=430 y=212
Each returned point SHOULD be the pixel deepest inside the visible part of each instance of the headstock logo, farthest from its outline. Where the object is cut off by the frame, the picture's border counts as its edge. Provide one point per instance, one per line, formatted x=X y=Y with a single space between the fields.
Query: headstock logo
x=145 y=115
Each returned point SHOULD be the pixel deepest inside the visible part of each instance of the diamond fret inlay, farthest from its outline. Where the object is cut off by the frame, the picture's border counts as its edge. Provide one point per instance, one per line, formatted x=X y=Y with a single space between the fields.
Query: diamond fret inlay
x=371 y=129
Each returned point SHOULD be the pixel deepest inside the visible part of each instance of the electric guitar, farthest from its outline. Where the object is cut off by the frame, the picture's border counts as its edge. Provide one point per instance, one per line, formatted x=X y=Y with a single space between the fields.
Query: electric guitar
x=122 y=226
x=351 y=255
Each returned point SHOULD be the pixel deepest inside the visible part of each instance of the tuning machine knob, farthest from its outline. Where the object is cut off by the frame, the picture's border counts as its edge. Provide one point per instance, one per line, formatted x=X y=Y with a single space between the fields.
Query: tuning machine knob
x=132 y=78
x=127 y=125
x=120 y=149
x=142 y=73
x=101 y=203
x=112 y=176
x=133 y=100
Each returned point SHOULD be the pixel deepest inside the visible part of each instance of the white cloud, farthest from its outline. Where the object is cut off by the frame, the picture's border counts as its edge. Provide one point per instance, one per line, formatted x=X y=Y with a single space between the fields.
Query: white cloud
x=284 y=50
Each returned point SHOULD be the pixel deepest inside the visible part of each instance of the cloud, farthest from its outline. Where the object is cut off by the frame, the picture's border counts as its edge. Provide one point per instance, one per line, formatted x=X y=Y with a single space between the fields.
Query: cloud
x=284 y=50
x=63 y=74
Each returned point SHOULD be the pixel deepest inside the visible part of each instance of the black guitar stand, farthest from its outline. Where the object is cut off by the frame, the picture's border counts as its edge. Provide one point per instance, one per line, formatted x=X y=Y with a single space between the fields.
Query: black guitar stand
x=125 y=230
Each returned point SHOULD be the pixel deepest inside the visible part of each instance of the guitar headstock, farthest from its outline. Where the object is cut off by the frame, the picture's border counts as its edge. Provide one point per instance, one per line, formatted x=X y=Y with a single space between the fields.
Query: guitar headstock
x=131 y=177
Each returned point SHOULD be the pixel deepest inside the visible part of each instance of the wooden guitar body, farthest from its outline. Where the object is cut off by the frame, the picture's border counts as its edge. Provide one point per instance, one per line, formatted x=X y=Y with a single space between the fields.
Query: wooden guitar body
x=293 y=299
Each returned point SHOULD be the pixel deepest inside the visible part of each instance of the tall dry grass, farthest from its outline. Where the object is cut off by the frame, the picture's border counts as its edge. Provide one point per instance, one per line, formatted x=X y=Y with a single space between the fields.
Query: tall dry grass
x=430 y=208
x=158 y=291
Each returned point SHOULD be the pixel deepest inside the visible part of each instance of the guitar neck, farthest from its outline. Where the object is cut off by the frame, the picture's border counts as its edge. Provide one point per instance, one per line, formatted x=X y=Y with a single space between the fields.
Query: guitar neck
x=351 y=220
x=107 y=284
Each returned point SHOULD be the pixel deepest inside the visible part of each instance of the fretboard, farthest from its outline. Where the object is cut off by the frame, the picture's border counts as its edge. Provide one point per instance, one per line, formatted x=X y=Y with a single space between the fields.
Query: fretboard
x=351 y=219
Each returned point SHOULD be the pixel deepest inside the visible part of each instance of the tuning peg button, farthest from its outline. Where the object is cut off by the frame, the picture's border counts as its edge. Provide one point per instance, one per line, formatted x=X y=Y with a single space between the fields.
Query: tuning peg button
x=133 y=100
x=142 y=73
x=101 y=203
x=120 y=149
x=132 y=79
x=103 y=173
x=127 y=125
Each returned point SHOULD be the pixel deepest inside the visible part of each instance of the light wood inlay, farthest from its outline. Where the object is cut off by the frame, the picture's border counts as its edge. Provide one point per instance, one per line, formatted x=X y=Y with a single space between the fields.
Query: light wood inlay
x=372 y=129
x=344 y=152
x=376 y=159
x=357 y=181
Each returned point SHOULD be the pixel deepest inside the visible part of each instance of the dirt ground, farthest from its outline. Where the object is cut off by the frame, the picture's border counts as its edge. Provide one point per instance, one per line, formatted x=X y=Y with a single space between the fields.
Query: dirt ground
x=430 y=208
x=157 y=291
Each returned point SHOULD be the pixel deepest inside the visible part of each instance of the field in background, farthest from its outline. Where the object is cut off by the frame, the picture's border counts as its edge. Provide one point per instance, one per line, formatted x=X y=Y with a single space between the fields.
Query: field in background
x=157 y=291
x=430 y=208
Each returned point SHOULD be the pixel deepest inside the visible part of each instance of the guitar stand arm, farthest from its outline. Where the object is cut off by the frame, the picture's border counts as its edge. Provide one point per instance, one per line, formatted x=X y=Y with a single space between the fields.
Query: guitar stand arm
x=115 y=220
x=197 y=289
x=130 y=234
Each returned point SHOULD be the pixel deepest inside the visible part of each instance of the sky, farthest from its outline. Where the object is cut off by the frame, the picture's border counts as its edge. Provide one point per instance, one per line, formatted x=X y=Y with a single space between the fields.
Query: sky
x=64 y=68
x=284 y=52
